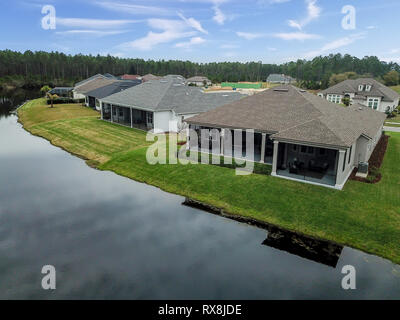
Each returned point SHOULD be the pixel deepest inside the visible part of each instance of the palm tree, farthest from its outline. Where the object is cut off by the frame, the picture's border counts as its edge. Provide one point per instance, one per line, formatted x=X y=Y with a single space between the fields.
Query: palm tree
x=45 y=89
x=51 y=97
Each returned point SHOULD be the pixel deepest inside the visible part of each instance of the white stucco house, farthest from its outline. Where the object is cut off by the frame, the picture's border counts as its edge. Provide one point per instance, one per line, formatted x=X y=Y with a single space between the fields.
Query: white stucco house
x=199 y=81
x=161 y=105
x=365 y=91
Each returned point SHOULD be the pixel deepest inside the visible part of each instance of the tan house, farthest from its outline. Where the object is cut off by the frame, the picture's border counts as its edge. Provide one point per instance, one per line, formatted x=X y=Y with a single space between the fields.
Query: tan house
x=304 y=137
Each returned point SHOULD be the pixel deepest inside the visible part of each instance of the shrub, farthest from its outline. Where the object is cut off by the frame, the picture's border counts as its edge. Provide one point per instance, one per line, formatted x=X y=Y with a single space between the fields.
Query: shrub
x=65 y=101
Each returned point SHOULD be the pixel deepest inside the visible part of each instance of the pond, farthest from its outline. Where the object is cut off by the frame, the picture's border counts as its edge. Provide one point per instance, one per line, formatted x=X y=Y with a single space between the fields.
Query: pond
x=113 y=238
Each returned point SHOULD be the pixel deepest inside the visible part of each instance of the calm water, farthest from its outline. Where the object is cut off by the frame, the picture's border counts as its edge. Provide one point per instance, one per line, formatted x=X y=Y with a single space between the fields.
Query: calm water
x=110 y=238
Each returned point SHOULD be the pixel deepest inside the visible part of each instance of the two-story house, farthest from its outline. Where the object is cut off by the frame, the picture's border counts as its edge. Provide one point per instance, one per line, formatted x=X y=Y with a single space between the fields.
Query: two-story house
x=365 y=91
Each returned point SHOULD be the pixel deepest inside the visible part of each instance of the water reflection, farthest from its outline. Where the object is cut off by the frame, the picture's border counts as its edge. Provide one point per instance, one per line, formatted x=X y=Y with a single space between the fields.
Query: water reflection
x=324 y=252
x=10 y=99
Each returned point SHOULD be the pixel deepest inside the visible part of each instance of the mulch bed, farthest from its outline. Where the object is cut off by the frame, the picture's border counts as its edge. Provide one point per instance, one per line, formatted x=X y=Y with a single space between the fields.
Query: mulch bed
x=375 y=161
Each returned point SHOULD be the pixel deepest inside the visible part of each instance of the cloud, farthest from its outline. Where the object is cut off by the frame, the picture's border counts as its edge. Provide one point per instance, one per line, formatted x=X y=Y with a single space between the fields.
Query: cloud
x=249 y=35
x=191 y=22
x=93 y=23
x=134 y=8
x=336 y=44
x=372 y=27
x=190 y=43
x=171 y=30
x=301 y=36
x=219 y=16
x=313 y=12
x=97 y=33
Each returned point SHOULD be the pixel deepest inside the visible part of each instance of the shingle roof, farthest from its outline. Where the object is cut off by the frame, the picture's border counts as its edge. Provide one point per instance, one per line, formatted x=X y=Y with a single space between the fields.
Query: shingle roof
x=96 y=76
x=112 y=88
x=198 y=79
x=170 y=93
x=351 y=86
x=94 y=84
x=149 y=77
x=289 y=113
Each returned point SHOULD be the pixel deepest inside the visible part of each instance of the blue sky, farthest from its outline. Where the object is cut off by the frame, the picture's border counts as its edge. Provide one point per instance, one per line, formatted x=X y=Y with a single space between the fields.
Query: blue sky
x=272 y=31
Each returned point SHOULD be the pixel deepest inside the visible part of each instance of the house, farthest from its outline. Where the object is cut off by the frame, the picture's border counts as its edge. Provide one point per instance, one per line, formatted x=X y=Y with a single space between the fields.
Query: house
x=130 y=77
x=76 y=94
x=280 y=79
x=365 y=91
x=161 y=105
x=65 y=92
x=149 y=77
x=304 y=137
x=94 y=96
x=83 y=89
x=198 y=81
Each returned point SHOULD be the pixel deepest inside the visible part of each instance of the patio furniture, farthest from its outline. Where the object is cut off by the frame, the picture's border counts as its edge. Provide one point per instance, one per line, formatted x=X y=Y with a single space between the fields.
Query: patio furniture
x=318 y=165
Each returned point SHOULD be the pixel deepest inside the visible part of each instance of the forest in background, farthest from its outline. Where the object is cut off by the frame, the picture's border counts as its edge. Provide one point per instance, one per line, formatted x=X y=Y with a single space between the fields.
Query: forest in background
x=35 y=69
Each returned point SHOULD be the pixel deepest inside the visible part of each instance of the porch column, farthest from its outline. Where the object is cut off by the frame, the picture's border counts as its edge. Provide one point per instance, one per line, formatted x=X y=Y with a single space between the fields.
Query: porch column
x=188 y=137
x=339 y=169
x=222 y=138
x=101 y=110
x=263 y=140
x=111 y=106
x=131 y=117
x=275 y=157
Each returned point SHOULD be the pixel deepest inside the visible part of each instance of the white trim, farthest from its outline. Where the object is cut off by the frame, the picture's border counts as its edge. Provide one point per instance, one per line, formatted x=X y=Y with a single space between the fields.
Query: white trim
x=308 y=182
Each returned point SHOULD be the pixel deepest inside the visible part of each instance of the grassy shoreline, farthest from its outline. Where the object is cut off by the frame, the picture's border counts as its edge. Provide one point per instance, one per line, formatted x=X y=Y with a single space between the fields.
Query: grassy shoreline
x=362 y=216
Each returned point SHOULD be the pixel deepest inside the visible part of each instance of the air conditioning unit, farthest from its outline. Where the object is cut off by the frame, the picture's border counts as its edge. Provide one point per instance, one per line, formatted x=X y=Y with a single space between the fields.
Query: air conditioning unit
x=363 y=167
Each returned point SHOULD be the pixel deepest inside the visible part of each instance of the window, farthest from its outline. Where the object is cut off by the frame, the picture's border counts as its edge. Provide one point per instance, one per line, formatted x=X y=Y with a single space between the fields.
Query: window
x=294 y=147
x=351 y=150
x=335 y=98
x=368 y=88
x=360 y=87
x=121 y=112
x=322 y=152
x=373 y=103
x=114 y=111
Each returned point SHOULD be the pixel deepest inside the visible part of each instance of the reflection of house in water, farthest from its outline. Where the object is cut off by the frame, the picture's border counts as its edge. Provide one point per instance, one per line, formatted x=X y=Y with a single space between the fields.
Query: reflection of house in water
x=320 y=251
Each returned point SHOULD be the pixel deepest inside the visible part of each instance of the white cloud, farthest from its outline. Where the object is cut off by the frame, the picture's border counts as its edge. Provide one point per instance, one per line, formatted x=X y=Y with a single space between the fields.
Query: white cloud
x=229 y=46
x=93 y=23
x=127 y=7
x=372 y=27
x=97 y=33
x=191 y=22
x=190 y=43
x=296 y=36
x=171 y=30
x=249 y=35
x=219 y=16
x=336 y=44
x=313 y=12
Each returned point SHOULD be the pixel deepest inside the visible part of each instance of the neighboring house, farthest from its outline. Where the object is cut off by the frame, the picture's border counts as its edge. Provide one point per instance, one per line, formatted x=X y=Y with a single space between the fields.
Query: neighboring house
x=161 y=105
x=65 y=92
x=94 y=96
x=149 y=77
x=365 y=91
x=110 y=76
x=198 y=81
x=130 y=77
x=280 y=79
x=304 y=137
x=83 y=89
x=75 y=92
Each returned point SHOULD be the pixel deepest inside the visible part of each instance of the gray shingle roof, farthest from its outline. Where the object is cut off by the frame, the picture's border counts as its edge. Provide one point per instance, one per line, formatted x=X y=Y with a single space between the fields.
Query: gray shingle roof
x=351 y=86
x=112 y=88
x=94 y=84
x=170 y=93
x=293 y=114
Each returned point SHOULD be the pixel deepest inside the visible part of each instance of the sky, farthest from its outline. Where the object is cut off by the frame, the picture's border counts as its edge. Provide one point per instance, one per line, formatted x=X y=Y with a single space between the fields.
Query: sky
x=271 y=31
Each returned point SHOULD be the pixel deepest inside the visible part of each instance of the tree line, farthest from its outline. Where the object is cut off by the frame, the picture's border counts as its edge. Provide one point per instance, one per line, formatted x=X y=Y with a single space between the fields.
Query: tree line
x=34 y=69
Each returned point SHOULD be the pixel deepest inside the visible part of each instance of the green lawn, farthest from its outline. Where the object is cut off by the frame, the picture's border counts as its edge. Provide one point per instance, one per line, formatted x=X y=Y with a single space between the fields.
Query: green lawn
x=363 y=216
x=396 y=88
